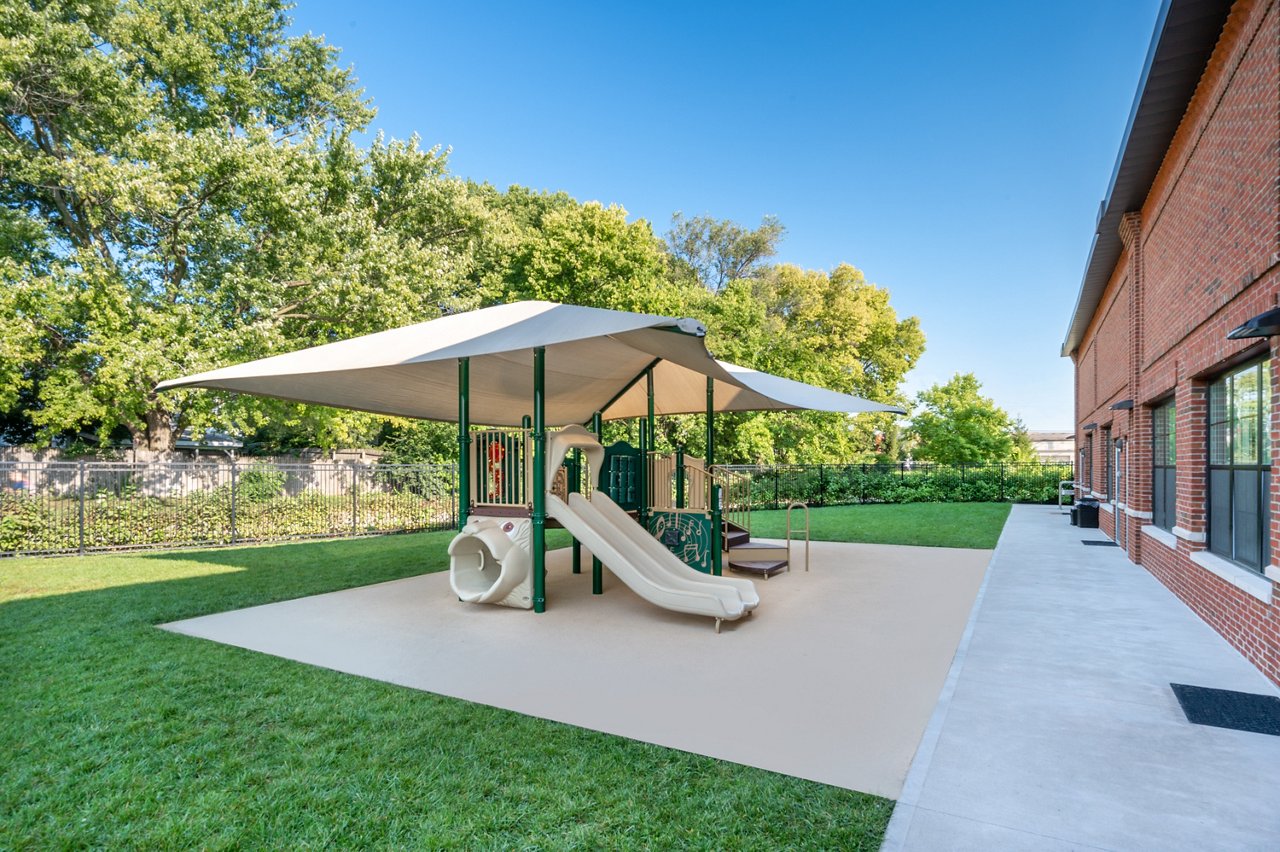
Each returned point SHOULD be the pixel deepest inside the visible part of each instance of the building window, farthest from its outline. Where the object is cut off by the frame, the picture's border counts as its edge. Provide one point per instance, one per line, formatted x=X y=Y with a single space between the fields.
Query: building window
x=1106 y=461
x=1240 y=465
x=1164 y=460
x=1086 y=464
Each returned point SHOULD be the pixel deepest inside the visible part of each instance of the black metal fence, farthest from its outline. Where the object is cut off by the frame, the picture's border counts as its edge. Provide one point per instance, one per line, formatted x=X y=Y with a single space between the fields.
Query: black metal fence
x=79 y=507
x=774 y=486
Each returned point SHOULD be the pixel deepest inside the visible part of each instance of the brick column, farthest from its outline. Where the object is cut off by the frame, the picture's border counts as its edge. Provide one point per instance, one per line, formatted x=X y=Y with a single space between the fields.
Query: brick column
x=1192 y=425
x=1137 y=426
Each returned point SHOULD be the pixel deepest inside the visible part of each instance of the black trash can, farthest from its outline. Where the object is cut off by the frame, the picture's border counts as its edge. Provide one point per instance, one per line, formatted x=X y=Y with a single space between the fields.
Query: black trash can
x=1087 y=514
x=1075 y=516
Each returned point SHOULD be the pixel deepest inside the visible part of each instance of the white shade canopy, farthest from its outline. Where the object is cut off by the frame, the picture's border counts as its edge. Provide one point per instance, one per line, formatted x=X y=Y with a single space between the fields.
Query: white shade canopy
x=594 y=358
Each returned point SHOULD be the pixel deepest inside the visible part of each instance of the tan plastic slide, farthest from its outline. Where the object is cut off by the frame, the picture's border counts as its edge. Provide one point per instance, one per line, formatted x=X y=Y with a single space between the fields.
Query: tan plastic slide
x=490 y=558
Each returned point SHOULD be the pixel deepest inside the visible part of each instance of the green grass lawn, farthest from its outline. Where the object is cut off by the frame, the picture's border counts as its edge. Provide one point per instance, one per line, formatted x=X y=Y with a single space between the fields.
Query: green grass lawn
x=117 y=734
x=930 y=524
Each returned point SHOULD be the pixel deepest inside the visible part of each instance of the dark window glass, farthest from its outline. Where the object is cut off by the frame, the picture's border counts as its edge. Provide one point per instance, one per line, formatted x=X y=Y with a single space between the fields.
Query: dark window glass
x=1164 y=459
x=1107 y=451
x=1086 y=461
x=1240 y=464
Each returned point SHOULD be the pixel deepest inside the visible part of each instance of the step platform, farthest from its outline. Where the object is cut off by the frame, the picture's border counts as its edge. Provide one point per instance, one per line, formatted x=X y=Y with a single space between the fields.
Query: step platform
x=760 y=567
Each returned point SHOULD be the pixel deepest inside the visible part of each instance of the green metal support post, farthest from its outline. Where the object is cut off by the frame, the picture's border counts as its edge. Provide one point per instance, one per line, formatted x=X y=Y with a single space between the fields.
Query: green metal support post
x=464 y=440
x=539 y=517
x=597 y=568
x=679 y=476
x=642 y=514
x=574 y=478
x=717 y=517
x=711 y=422
x=717 y=530
x=651 y=447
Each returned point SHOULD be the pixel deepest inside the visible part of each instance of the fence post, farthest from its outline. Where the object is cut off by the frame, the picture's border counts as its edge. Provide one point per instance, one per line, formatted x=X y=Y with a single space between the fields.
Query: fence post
x=353 y=498
x=1001 y=482
x=775 y=486
x=81 y=534
x=822 y=485
x=235 y=486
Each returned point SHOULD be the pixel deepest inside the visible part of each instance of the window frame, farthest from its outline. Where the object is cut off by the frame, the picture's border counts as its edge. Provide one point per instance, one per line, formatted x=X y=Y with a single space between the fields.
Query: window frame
x=1088 y=463
x=1164 y=464
x=1226 y=544
x=1108 y=459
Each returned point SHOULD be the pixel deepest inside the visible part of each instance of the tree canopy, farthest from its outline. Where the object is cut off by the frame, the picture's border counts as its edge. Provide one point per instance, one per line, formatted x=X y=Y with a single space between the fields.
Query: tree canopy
x=960 y=426
x=181 y=188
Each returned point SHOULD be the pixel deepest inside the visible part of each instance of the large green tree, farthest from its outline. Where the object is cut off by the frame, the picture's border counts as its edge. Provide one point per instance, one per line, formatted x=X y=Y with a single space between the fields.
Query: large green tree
x=717 y=252
x=178 y=191
x=958 y=425
x=832 y=329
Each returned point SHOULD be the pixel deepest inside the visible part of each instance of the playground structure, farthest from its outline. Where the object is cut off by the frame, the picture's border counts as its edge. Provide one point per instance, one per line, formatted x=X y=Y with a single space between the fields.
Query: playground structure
x=677 y=570
x=566 y=365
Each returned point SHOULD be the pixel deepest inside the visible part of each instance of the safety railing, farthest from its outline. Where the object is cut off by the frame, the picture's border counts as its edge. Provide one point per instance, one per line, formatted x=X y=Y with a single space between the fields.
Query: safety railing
x=678 y=482
x=87 y=506
x=501 y=468
x=736 y=489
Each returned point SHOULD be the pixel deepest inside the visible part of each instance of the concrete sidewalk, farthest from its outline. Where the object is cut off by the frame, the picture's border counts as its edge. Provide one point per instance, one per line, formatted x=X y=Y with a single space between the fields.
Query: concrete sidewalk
x=1057 y=728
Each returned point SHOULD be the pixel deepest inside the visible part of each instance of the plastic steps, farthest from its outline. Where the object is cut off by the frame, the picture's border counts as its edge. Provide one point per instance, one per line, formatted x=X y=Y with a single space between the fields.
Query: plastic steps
x=760 y=567
x=755 y=551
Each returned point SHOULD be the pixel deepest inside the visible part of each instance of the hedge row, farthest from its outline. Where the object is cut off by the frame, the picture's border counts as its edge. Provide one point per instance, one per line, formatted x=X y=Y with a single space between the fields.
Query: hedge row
x=42 y=525
x=844 y=484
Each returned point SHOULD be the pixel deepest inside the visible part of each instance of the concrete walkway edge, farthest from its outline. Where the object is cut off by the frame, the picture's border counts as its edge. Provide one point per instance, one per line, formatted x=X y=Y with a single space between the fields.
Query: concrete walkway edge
x=895 y=836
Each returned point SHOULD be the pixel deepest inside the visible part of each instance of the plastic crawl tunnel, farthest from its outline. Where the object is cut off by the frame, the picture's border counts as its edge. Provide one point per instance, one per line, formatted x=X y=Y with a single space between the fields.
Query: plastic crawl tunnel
x=490 y=561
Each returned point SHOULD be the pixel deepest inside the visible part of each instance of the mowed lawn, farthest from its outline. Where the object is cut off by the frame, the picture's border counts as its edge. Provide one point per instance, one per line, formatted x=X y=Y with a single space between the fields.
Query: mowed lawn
x=976 y=525
x=117 y=734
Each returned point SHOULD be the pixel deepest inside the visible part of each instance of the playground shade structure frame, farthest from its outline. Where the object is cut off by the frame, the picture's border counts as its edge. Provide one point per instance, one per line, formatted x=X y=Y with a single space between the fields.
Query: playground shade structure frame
x=586 y=365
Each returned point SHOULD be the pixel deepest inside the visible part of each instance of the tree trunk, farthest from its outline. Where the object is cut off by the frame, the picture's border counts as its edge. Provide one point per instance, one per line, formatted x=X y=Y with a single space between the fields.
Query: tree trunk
x=160 y=434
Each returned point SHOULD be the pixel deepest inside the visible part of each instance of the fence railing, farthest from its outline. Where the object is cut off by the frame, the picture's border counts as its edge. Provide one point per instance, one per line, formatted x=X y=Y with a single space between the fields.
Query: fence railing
x=775 y=486
x=79 y=507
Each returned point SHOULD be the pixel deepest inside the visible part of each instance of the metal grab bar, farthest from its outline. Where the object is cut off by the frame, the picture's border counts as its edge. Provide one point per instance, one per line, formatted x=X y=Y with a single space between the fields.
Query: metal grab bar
x=805 y=506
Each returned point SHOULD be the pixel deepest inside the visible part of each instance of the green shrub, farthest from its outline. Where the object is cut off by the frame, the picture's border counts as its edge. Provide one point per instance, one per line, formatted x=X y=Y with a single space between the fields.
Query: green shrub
x=260 y=483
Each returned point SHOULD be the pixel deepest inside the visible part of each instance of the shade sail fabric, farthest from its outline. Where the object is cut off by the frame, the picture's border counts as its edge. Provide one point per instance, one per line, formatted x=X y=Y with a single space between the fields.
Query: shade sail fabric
x=592 y=355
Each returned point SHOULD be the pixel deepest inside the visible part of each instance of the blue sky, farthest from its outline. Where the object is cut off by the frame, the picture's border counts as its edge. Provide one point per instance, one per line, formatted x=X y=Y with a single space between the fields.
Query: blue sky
x=955 y=152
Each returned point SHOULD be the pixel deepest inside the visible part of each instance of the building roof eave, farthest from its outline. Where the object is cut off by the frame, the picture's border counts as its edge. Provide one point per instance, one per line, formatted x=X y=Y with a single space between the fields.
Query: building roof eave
x=1186 y=33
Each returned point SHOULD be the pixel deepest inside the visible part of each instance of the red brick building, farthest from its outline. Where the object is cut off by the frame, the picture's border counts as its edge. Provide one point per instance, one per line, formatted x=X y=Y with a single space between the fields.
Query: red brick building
x=1177 y=426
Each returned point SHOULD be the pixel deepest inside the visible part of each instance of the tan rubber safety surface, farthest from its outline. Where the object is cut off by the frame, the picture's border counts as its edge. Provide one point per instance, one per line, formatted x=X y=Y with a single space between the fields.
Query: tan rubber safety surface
x=832 y=679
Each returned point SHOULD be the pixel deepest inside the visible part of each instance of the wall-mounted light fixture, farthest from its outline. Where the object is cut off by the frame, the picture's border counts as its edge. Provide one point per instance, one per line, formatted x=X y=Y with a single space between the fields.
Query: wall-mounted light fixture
x=1263 y=325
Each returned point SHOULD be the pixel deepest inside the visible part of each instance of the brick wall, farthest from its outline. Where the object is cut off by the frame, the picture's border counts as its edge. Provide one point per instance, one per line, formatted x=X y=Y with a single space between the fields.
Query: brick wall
x=1200 y=258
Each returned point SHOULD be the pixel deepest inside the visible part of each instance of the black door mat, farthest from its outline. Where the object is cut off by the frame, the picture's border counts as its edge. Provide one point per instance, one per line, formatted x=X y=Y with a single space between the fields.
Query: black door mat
x=1093 y=543
x=1223 y=708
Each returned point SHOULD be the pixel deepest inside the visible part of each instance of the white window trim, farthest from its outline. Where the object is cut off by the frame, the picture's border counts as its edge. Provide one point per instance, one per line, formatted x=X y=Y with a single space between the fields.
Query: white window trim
x=1106 y=507
x=1165 y=537
x=1242 y=578
x=1273 y=573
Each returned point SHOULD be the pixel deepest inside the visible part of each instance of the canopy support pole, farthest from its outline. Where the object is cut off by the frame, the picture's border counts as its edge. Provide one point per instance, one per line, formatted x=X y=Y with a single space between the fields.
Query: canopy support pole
x=539 y=517
x=711 y=422
x=464 y=440
x=597 y=569
x=642 y=511
x=651 y=446
x=714 y=492
x=574 y=479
